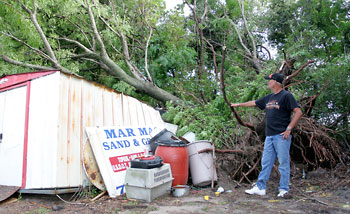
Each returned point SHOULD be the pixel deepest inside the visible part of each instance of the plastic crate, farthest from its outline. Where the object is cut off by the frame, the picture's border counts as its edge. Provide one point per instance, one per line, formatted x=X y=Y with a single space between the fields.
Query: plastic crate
x=148 y=184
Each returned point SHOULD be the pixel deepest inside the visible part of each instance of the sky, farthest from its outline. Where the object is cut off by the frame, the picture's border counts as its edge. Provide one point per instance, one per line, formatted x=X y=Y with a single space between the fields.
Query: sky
x=170 y=4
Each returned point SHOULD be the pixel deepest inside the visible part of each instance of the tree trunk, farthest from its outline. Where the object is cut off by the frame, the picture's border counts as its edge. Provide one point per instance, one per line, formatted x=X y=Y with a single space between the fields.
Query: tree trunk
x=141 y=85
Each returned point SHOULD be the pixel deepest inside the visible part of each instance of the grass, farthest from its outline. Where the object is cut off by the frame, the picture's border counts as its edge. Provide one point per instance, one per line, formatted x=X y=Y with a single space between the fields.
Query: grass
x=41 y=210
x=205 y=209
x=89 y=192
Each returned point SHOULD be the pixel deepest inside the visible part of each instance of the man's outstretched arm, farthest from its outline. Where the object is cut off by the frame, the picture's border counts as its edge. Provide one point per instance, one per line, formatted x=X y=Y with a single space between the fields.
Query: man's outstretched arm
x=246 y=104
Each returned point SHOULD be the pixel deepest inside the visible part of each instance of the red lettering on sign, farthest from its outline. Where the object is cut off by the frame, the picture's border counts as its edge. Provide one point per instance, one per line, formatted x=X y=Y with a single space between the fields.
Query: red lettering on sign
x=121 y=163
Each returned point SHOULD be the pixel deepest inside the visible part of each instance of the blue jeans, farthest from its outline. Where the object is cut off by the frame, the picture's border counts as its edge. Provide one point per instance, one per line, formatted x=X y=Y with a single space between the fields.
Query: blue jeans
x=275 y=146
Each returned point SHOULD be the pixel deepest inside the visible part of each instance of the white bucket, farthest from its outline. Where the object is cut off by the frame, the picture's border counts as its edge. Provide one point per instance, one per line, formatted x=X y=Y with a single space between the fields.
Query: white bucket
x=181 y=190
x=201 y=164
x=190 y=137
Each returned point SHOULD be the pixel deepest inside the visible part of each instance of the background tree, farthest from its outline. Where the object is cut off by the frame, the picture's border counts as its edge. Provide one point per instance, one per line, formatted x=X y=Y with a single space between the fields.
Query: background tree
x=302 y=42
x=138 y=48
x=110 y=37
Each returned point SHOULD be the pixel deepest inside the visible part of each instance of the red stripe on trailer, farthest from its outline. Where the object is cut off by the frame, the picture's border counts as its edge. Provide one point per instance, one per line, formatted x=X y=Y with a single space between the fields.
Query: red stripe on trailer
x=15 y=79
x=13 y=86
x=25 y=147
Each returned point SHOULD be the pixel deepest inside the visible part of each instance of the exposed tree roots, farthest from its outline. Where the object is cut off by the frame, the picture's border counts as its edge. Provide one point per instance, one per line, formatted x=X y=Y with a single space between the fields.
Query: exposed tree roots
x=312 y=147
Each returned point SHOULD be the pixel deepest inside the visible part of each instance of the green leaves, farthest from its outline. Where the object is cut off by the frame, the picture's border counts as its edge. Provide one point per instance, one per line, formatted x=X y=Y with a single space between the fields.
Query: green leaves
x=209 y=122
x=305 y=29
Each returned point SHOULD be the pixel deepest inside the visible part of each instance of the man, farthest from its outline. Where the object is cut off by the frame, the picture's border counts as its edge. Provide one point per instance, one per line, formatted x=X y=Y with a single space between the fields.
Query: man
x=279 y=105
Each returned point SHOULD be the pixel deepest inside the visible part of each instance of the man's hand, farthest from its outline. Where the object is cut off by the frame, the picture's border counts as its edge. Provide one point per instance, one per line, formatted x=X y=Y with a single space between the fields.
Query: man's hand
x=297 y=114
x=286 y=133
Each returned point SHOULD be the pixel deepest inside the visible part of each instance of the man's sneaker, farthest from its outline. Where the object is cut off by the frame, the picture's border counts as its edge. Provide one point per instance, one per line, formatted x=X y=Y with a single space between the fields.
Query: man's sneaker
x=255 y=190
x=282 y=193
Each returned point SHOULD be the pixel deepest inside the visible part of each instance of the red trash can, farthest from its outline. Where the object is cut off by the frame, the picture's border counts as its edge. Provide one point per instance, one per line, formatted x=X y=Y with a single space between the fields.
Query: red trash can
x=176 y=155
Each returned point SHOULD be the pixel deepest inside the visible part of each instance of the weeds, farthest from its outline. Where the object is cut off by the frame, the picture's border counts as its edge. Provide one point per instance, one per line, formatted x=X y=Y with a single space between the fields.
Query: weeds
x=41 y=210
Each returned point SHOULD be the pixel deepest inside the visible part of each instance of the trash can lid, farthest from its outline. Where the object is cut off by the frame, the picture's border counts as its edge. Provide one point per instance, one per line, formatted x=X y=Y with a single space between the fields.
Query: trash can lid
x=172 y=143
x=158 y=135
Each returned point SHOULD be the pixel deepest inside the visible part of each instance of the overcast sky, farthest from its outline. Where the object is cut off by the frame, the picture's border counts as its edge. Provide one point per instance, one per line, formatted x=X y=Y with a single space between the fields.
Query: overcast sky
x=172 y=3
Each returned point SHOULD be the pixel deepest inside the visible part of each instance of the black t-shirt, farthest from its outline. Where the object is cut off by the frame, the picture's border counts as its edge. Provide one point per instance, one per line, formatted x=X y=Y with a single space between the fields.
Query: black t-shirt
x=278 y=111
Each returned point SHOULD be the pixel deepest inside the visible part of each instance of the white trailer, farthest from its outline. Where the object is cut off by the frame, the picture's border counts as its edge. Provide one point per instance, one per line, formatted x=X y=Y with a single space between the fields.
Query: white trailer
x=43 y=116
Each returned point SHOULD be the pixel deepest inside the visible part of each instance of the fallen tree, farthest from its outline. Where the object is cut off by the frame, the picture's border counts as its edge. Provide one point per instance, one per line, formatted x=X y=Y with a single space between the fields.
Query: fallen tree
x=88 y=41
x=313 y=145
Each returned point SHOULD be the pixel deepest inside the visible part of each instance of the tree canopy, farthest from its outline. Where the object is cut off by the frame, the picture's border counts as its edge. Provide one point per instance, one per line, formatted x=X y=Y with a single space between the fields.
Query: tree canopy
x=139 y=48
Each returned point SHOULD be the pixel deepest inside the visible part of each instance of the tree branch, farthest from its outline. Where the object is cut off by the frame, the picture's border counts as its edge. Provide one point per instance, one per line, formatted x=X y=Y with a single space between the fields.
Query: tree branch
x=96 y=33
x=136 y=73
x=241 y=3
x=179 y=88
x=252 y=54
x=205 y=11
x=143 y=12
x=298 y=71
x=25 y=65
x=81 y=30
x=109 y=27
x=239 y=36
x=239 y=119
x=24 y=7
x=98 y=63
x=146 y=54
x=87 y=50
x=27 y=45
x=7 y=3
x=42 y=35
x=214 y=59
x=199 y=29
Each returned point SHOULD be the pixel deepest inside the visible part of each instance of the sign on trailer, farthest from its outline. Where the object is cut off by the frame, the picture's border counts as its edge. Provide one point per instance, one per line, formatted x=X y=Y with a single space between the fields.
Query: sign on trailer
x=115 y=147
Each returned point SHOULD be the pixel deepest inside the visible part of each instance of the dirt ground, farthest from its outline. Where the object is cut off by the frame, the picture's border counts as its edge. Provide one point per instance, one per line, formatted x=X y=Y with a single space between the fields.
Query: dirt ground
x=323 y=191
